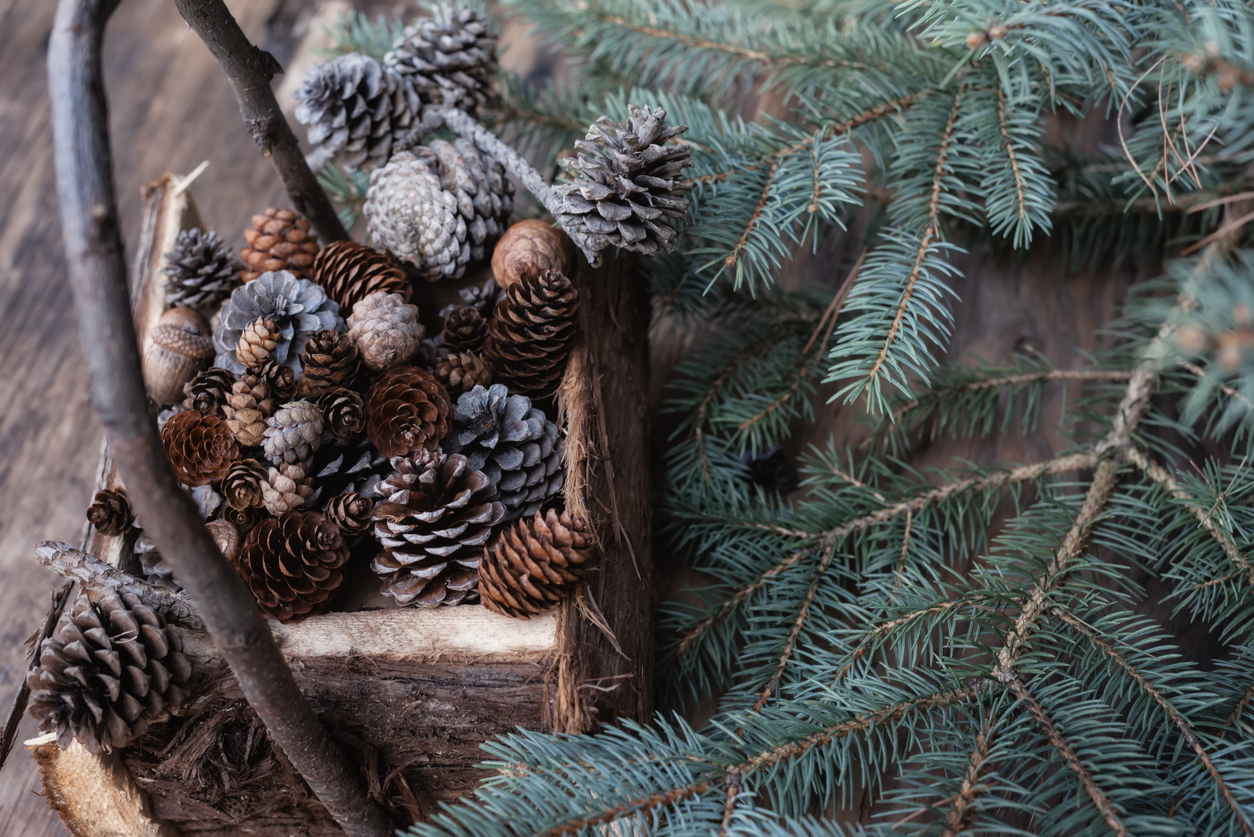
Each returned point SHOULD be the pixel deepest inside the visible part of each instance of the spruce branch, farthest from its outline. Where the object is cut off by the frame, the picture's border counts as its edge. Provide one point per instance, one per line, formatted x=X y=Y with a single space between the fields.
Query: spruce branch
x=962 y=814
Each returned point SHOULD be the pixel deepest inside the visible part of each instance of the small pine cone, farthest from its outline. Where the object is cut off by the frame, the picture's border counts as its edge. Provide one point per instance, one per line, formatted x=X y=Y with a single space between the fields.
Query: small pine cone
x=279 y=239
x=247 y=408
x=350 y=272
x=531 y=565
x=242 y=484
x=351 y=512
x=528 y=247
x=109 y=670
x=330 y=360
x=530 y=333
x=201 y=271
x=200 y=448
x=207 y=392
x=626 y=191
x=407 y=410
x=448 y=58
x=286 y=488
x=386 y=331
x=245 y=519
x=293 y=433
x=293 y=564
x=111 y=513
x=462 y=372
x=464 y=330
x=344 y=413
x=257 y=343
x=226 y=536
x=279 y=378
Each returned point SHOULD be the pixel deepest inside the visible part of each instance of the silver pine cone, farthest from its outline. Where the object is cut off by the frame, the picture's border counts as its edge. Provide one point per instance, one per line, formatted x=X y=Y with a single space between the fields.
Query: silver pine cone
x=293 y=433
x=449 y=58
x=201 y=270
x=626 y=192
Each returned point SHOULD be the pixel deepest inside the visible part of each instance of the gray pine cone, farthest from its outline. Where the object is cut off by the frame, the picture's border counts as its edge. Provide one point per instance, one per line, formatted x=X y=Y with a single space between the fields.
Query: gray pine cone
x=449 y=58
x=439 y=207
x=626 y=188
x=355 y=107
x=513 y=444
x=200 y=271
x=298 y=307
x=293 y=433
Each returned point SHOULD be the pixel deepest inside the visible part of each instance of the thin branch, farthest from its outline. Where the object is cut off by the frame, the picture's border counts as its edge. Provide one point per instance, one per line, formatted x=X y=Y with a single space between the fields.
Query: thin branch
x=742 y=596
x=867 y=642
x=1230 y=391
x=961 y=815
x=1020 y=192
x=1235 y=715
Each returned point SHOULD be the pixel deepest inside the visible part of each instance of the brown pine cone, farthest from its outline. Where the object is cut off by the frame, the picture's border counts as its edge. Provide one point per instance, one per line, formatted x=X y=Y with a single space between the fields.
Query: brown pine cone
x=351 y=512
x=226 y=535
x=344 y=413
x=245 y=519
x=350 y=272
x=278 y=240
x=528 y=247
x=286 y=488
x=293 y=564
x=385 y=330
x=407 y=410
x=530 y=333
x=200 y=448
x=111 y=513
x=257 y=343
x=247 y=408
x=293 y=433
x=280 y=378
x=109 y=670
x=330 y=360
x=529 y=566
x=464 y=330
x=207 y=392
x=462 y=371
x=242 y=484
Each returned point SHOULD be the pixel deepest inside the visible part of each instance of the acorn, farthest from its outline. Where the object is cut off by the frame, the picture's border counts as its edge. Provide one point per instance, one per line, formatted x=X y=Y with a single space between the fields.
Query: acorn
x=178 y=349
x=226 y=536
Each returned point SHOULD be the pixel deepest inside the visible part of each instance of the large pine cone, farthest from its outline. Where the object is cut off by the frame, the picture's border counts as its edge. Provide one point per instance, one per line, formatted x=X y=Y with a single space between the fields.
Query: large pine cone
x=293 y=433
x=529 y=246
x=200 y=271
x=407 y=410
x=111 y=513
x=464 y=329
x=343 y=412
x=293 y=564
x=439 y=206
x=330 y=360
x=386 y=331
x=200 y=448
x=355 y=107
x=208 y=391
x=462 y=371
x=351 y=272
x=448 y=59
x=298 y=308
x=513 y=444
x=279 y=239
x=530 y=333
x=436 y=515
x=531 y=565
x=109 y=671
x=626 y=191
x=247 y=408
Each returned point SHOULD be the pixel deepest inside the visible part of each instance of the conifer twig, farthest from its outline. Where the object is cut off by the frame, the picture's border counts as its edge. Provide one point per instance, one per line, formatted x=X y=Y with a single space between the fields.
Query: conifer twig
x=960 y=816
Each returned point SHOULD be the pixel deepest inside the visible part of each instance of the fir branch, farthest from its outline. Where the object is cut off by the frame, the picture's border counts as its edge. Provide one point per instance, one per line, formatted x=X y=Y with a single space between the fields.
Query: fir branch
x=962 y=814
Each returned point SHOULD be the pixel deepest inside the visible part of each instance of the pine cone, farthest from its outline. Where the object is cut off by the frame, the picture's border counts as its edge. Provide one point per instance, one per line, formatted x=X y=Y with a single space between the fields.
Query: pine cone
x=200 y=271
x=530 y=566
x=298 y=307
x=207 y=392
x=286 y=488
x=330 y=360
x=279 y=378
x=351 y=272
x=226 y=536
x=529 y=246
x=355 y=107
x=200 y=448
x=241 y=487
x=513 y=444
x=464 y=330
x=111 y=512
x=386 y=331
x=439 y=207
x=351 y=512
x=436 y=516
x=449 y=58
x=247 y=408
x=245 y=520
x=626 y=184
x=293 y=564
x=257 y=342
x=407 y=410
x=344 y=413
x=462 y=371
x=530 y=333
x=278 y=240
x=109 y=671
x=293 y=433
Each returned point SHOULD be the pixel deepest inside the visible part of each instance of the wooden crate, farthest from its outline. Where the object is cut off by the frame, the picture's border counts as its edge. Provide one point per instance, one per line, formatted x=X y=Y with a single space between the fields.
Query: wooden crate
x=411 y=693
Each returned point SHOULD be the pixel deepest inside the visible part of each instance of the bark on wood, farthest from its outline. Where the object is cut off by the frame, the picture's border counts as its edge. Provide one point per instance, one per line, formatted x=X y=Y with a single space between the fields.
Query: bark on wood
x=98 y=277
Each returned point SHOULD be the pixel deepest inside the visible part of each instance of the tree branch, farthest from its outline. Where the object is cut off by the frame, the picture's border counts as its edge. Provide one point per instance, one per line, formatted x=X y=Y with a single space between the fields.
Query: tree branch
x=97 y=270
x=249 y=69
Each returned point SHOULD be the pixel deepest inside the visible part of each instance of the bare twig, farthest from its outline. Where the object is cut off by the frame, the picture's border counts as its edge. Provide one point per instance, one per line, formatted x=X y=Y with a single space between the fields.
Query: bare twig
x=97 y=270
